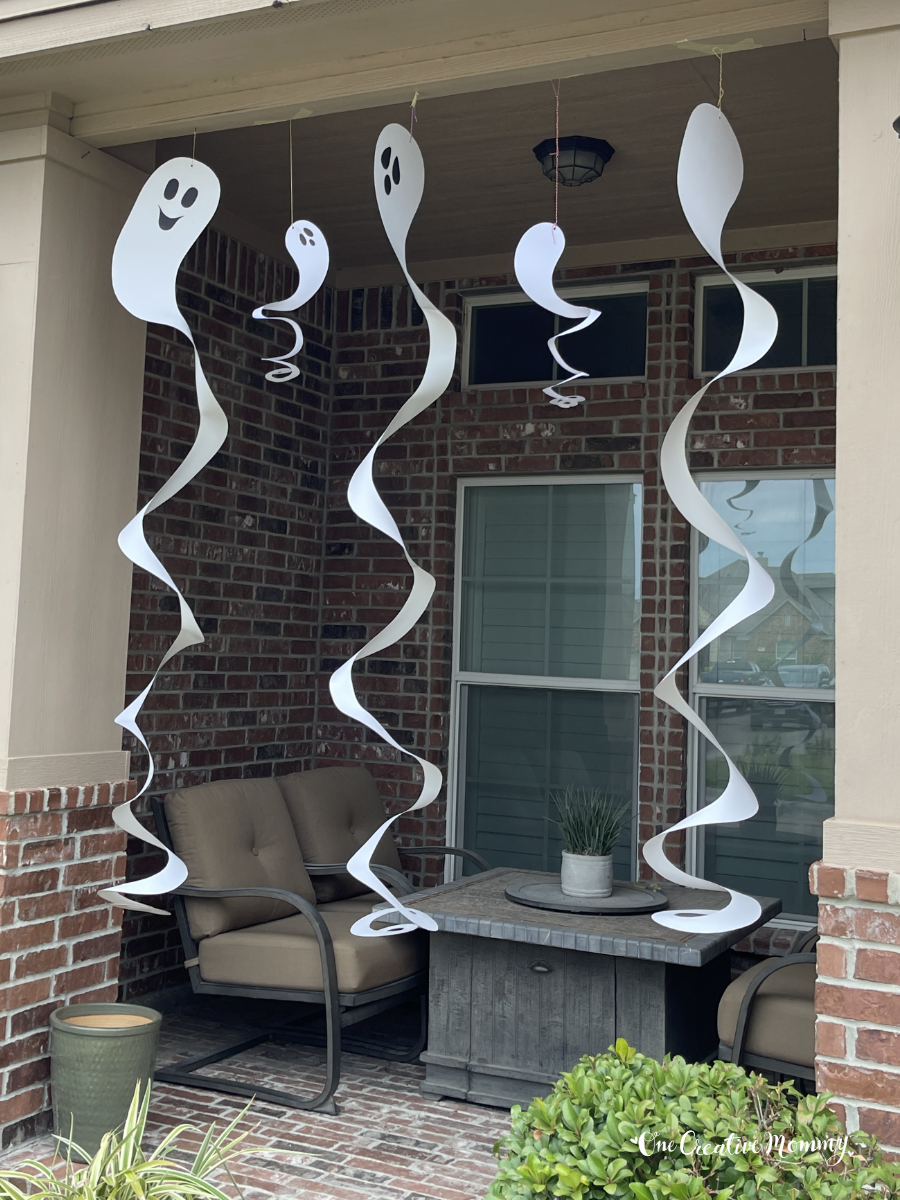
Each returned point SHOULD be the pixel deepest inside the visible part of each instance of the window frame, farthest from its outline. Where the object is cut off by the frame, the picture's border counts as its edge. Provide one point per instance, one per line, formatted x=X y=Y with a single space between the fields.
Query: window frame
x=717 y=279
x=695 y=847
x=461 y=680
x=507 y=298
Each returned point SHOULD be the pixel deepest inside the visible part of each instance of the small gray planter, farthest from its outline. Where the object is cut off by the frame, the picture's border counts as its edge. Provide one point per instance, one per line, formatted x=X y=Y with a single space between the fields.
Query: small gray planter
x=98 y=1054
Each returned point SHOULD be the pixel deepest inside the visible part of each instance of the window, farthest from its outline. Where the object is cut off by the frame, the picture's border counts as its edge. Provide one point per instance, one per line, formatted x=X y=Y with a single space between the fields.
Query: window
x=766 y=688
x=507 y=337
x=806 y=303
x=546 y=660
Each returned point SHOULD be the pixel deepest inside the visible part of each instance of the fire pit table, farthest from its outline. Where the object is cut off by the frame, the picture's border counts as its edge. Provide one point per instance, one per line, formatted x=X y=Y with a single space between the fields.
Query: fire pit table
x=516 y=995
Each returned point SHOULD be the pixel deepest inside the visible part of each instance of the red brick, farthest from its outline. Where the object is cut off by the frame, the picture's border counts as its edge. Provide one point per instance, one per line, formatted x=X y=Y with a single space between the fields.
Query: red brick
x=23 y=937
x=831 y=1039
x=858 y=1004
x=831 y=960
x=29 y=883
x=872 y=885
x=878 y=966
x=97 y=947
x=857 y=1083
x=81 y=923
x=27 y=1074
x=25 y=1104
x=24 y=995
x=883 y=1124
x=39 y=962
x=880 y=1046
x=828 y=881
x=78 y=979
x=26 y=1048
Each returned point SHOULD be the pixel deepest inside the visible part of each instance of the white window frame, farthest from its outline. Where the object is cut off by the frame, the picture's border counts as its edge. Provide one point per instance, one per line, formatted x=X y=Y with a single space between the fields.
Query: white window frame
x=460 y=679
x=588 y=291
x=717 y=279
x=694 y=845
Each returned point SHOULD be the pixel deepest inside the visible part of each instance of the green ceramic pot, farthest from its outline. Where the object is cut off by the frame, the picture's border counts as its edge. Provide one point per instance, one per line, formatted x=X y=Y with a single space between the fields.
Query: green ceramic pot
x=98 y=1054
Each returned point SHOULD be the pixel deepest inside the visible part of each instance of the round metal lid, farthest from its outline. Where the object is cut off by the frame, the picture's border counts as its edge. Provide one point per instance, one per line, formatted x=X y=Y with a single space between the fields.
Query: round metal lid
x=627 y=899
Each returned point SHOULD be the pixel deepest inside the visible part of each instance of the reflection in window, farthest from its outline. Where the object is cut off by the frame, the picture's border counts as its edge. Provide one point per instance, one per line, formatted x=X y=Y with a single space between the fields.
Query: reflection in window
x=789 y=525
x=521 y=744
x=550 y=580
x=807 y=322
x=785 y=750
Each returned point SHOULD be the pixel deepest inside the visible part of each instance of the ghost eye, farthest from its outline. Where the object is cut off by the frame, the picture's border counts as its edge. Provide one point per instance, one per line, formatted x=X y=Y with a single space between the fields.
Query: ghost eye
x=387 y=184
x=386 y=157
x=302 y=239
x=396 y=170
x=188 y=198
x=171 y=189
x=308 y=232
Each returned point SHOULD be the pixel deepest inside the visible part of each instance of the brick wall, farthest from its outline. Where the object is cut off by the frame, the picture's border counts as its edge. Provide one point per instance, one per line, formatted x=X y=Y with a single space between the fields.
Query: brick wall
x=756 y=420
x=58 y=942
x=244 y=543
x=858 y=997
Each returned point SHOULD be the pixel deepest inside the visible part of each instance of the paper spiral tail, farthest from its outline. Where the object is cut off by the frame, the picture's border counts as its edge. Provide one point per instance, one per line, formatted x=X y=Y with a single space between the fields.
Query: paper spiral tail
x=399 y=183
x=539 y=250
x=145 y=264
x=710 y=174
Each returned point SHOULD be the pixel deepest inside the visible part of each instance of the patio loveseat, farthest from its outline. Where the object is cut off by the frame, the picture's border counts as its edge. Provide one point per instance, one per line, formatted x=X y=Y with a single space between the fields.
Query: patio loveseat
x=258 y=919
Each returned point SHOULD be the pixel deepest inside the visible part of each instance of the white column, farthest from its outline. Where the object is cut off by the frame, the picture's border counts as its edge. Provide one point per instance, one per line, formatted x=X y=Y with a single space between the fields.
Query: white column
x=865 y=830
x=71 y=382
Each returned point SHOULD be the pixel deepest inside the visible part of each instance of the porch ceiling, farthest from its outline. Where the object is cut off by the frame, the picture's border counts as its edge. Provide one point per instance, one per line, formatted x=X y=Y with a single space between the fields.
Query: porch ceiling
x=484 y=187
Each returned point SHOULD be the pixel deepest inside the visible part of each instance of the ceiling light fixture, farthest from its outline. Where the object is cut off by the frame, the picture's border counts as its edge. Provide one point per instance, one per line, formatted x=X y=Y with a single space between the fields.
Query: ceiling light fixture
x=581 y=159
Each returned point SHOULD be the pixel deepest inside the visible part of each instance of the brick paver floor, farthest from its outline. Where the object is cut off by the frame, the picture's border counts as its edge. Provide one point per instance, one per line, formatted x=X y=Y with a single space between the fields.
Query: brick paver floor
x=387 y=1142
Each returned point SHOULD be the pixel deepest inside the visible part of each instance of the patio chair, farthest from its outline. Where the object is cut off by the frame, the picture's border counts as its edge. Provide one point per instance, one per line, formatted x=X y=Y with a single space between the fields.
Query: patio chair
x=251 y=926
x=767 y=1016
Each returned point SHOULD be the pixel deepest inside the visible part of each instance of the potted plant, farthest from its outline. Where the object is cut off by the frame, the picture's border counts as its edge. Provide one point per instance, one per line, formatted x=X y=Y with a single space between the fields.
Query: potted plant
x=590 y=821
x=624 y=1125
x=121 y=1168
x=99 y=1055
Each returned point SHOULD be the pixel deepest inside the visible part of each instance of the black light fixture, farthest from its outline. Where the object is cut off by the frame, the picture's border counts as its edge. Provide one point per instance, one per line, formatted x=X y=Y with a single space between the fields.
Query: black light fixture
x=581 y=159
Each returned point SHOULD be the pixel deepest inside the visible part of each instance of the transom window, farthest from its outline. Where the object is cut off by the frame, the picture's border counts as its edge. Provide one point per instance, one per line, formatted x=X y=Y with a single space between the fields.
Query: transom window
x=506 y=336
x=805 y=301
x=546 y=658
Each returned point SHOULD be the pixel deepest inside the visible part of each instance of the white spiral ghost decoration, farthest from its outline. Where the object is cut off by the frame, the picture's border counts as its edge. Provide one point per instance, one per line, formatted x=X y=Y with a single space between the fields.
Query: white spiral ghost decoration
x=539 y=250
x=710 y=174
x=174 y=207
x=399 y=183
x=306 y=245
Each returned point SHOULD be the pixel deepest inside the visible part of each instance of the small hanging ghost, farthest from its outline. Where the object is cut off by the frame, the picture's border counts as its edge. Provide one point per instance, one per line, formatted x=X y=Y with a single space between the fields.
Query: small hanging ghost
x=539 y=250
x=306 y=245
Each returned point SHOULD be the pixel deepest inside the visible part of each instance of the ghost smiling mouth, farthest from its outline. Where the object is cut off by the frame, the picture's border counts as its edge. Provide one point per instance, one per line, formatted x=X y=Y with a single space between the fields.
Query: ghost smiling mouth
x=167 y=222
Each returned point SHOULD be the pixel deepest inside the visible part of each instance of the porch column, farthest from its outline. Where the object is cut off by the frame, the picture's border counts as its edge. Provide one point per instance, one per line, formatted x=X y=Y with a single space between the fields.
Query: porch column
x=71 y=369
x=858 y=881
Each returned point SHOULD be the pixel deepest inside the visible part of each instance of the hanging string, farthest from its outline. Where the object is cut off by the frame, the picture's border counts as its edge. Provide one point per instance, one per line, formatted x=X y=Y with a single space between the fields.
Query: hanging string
x=556 y=157
x=291 y=163
x=718 y=54
x=194 y=144
x=413 y=116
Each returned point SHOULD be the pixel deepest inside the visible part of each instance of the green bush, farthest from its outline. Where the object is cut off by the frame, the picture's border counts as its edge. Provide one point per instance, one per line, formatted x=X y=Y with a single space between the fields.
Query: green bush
x=584 y=1140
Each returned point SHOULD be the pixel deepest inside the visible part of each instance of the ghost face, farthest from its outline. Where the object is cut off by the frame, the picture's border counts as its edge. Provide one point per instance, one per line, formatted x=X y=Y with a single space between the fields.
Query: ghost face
x=173 y=208
x=399 y=183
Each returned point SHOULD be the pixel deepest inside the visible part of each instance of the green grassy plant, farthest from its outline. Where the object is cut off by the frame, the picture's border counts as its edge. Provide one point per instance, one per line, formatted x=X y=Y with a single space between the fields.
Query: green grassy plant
x=122 y=1170
x=590 y=820
x=700 y=1123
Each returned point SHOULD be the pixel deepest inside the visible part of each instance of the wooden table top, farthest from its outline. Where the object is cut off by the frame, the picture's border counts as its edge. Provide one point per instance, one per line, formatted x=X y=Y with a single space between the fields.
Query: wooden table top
x=477 y=905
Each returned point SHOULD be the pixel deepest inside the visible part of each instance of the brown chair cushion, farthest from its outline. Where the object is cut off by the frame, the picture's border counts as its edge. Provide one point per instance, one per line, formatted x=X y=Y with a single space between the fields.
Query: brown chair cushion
x=783 y=1016
x=335 y=810
x=236 y=833
x=285 y=954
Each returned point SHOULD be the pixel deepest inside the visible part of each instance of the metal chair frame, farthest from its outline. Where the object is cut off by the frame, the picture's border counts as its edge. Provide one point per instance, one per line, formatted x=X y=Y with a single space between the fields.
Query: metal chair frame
x=341 y=1009
x=737 y=1053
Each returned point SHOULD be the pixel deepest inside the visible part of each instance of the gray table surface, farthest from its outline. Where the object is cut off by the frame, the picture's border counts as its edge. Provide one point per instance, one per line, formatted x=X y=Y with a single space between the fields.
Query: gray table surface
x=477 y=905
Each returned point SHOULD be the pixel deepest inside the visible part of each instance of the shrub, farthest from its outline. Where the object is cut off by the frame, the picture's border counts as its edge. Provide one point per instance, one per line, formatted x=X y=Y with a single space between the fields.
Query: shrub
x=584 y=1141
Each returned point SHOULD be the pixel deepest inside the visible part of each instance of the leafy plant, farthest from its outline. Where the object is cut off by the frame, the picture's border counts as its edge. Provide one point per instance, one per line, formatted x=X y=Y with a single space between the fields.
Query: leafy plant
x=121 y=1170
x=756 y=770
x=709 y=1130
x=590 y=820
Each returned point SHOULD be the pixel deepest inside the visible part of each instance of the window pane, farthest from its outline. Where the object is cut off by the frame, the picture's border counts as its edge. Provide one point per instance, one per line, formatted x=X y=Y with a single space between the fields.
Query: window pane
x=550 y=580
x=508 y=343
x=524 y=743
x=785 y=750
x=616 y=344
x=821 y=337
x=789 y=525
x=723 y=317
